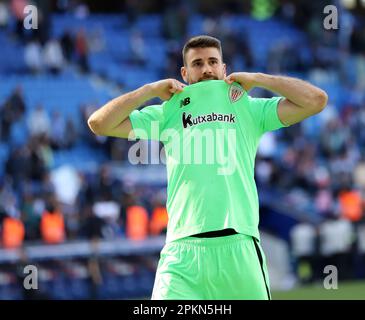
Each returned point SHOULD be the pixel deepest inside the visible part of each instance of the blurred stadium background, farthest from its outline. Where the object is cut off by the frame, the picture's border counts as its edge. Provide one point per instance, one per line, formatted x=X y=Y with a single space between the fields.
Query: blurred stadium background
x=93 y=223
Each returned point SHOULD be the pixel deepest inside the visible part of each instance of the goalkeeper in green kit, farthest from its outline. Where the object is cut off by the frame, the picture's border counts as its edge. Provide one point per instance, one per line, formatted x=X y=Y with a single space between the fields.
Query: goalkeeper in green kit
x=210 y=129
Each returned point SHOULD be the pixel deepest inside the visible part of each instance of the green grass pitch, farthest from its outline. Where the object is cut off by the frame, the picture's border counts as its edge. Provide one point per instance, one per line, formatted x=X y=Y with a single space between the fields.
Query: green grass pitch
x=345 y=291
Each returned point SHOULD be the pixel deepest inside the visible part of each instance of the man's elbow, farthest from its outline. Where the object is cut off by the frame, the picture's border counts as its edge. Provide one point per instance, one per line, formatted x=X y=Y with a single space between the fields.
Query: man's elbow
x=321 y=100
x=95 y=126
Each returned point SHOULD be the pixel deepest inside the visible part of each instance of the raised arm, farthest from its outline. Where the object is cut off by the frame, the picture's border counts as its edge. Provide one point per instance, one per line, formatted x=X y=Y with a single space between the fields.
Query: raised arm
x=301 y=99
x=112 y=118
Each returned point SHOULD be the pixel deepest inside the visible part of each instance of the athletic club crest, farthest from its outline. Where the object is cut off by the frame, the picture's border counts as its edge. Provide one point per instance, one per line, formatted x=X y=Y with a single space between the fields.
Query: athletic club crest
x=235 y=92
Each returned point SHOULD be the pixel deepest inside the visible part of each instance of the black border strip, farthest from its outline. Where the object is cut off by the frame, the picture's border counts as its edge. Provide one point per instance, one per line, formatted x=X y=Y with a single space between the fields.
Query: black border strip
x=258 y=251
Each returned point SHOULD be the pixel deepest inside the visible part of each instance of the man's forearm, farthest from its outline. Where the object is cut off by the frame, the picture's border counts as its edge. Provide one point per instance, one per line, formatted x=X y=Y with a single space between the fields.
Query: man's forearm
x=297 y=91
x=117 y=110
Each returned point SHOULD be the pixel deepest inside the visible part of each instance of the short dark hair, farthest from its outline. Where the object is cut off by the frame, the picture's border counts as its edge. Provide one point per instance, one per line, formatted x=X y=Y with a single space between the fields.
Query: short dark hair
x=202 y=41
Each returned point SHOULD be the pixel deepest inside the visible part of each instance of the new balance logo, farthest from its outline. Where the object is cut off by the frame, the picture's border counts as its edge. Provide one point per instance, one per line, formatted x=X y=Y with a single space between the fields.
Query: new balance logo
x=187 y=119
x=184 y=102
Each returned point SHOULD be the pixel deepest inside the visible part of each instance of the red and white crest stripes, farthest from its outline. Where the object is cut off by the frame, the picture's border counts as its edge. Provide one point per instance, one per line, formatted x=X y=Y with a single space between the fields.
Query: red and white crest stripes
x=235 y=92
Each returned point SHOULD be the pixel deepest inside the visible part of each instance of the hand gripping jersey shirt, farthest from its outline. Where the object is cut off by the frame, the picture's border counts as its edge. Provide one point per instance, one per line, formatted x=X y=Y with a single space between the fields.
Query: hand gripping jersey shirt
x=210 y=133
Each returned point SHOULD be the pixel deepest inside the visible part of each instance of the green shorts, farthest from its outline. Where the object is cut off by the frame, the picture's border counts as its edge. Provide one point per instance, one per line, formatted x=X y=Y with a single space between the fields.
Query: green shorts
x=231 y=267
